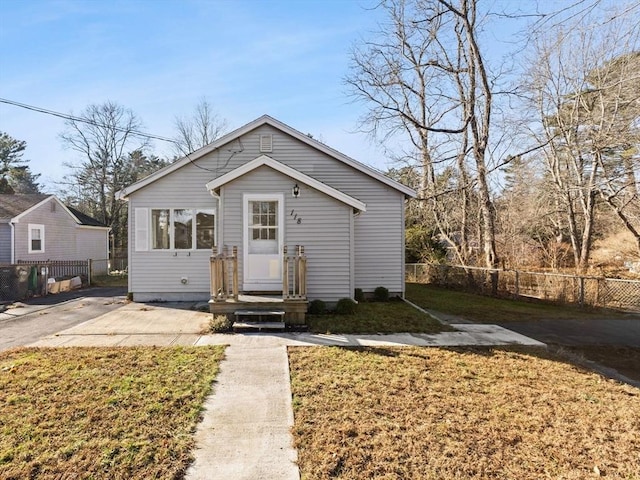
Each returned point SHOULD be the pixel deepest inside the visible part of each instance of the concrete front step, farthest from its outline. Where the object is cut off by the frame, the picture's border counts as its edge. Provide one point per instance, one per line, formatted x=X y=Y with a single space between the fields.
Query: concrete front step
x=294 y=310
x=260 y=326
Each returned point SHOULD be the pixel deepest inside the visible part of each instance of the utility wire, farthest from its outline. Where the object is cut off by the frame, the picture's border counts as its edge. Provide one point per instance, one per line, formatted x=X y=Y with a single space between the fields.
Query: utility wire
x=67 y=116
x=136 y=133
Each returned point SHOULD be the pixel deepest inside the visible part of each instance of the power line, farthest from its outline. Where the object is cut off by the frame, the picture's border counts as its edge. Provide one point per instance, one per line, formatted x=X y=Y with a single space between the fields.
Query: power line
x=67 y=116
x=136 y=133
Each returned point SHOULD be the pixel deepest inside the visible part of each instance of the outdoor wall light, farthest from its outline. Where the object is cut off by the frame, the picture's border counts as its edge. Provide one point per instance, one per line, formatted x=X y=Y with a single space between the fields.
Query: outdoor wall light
x=295 y=191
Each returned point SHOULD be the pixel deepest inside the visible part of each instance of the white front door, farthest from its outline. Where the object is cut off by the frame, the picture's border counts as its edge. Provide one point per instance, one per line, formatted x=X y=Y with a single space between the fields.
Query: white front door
x=263 y=222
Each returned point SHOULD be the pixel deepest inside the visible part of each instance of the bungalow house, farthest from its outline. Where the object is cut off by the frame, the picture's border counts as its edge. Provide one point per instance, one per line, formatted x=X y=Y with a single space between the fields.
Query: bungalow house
x=39 y=227
x=291 y=215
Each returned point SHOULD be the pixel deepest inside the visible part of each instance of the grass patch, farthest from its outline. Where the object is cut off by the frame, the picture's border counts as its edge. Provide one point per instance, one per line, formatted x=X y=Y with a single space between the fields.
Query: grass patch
x=462 y=413
x=110 y=281
x=388 y=317
x=102 y=412
x=479 y=308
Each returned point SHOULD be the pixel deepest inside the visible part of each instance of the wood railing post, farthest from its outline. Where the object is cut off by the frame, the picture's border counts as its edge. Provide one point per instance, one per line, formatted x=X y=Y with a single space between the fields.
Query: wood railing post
x=285 y=274
x=224 y=274
x=234 y=265
x=212 y=274
x=224 y=279
x=303 y=273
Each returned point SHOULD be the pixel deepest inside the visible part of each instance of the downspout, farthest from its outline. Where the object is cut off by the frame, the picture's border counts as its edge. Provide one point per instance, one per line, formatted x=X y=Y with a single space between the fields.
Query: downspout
x=403 y=246
x=218 y=224
x=13 y=242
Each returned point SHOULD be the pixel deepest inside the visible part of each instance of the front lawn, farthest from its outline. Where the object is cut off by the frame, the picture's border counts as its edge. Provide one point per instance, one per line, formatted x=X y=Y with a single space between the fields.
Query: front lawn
x=464 y=413
x=117 y=413
x=376 y=317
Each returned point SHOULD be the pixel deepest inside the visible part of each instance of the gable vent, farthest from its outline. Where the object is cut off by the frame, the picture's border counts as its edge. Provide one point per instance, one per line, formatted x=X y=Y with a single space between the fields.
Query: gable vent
x=266 y=143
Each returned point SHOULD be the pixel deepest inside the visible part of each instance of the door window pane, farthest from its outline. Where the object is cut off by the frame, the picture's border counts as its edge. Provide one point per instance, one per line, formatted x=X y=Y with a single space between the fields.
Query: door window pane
x=263 y=228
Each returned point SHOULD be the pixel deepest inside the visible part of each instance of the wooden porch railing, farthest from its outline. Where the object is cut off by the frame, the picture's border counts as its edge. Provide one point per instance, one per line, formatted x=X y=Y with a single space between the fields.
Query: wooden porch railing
x=294 y=274
x=224 y=274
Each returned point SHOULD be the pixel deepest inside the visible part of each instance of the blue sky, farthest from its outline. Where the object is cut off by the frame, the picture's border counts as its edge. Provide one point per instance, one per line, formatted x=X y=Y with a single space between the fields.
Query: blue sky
x=159 y=57
x=285 y=58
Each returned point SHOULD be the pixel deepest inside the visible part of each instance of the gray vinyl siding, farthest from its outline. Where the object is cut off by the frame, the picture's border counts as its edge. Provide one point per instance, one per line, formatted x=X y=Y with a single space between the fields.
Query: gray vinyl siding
x=64 y=239
x=5 y=243
x=158 y=274
x=323 y=231
x=91 y=243
x=377 y=252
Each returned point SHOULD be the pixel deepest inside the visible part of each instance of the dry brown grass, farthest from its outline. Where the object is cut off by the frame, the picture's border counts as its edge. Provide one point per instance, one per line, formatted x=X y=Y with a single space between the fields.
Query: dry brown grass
x=426 y=413
x=116 y=413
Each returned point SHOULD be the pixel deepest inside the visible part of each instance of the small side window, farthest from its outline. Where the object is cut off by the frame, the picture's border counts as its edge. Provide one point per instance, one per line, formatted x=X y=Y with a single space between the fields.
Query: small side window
x=36 y=238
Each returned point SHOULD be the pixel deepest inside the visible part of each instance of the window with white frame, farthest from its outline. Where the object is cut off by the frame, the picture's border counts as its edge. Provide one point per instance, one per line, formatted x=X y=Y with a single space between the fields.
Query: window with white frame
x=182 y=229
x=36 y=238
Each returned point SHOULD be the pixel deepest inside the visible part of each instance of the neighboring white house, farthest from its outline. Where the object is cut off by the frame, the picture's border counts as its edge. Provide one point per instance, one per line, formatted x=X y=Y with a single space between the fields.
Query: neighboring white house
x=38 y=227
x=260 y=188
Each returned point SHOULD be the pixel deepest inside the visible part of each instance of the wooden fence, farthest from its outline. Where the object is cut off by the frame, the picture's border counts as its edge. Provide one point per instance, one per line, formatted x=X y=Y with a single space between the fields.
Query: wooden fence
x=63 y=268
x=27 y=278
x=573 y=289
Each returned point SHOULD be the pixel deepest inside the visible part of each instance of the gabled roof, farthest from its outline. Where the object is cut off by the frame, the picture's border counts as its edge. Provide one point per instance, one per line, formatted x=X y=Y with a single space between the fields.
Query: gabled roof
x=266 y=120
x=15 y=205
x=290 y=172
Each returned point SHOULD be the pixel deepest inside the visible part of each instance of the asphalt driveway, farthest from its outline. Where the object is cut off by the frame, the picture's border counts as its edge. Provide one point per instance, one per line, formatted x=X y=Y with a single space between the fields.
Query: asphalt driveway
x=619 y=332
x=26 y=322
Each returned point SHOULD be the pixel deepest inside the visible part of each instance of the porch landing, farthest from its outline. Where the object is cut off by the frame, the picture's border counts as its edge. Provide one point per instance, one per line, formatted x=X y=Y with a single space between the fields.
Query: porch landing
x=294 y=309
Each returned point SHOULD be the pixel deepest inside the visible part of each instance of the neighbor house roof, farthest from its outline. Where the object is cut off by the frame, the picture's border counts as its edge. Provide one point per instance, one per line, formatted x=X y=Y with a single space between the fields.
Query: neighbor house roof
x=84 y=219
x=290 y=172
x=266 y=120
x=15 y=205
x=12 y=205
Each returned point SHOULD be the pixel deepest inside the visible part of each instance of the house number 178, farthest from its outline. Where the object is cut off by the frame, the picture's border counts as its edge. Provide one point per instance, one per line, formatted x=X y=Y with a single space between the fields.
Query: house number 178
x=295 y=216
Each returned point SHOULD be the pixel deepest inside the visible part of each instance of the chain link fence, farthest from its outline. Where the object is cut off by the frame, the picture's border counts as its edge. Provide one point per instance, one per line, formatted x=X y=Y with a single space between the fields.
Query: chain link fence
x=15 y=282
x=581 y=290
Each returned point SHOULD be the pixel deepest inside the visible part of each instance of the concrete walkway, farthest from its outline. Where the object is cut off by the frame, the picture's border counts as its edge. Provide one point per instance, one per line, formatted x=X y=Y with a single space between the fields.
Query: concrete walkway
x=246 y=430
x=166 y=324
x=466 y=335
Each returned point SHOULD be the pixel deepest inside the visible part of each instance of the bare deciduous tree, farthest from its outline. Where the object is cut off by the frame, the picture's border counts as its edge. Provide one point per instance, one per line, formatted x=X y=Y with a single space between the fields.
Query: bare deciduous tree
x=200 y=129
x=579 y=84
x=104 y=135
x=424 y=77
